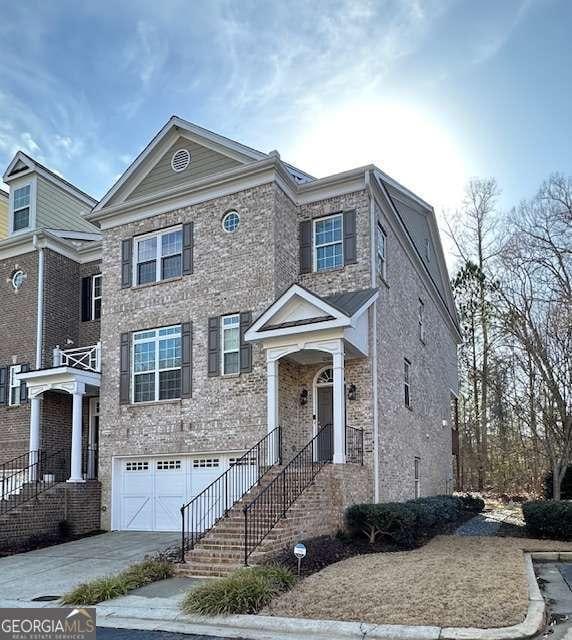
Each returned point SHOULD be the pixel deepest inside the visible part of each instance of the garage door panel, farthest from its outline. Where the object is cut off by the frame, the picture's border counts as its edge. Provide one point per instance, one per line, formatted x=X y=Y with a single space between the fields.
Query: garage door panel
x=137 y=513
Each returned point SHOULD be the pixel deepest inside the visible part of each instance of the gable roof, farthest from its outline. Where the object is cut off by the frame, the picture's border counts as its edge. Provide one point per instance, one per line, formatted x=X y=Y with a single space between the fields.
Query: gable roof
x=23 y=164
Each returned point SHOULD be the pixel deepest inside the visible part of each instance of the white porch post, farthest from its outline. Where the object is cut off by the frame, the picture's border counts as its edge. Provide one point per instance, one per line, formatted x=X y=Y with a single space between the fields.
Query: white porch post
x=272 y=401
x=339 y=406
x=34 y=436
x=76 y=475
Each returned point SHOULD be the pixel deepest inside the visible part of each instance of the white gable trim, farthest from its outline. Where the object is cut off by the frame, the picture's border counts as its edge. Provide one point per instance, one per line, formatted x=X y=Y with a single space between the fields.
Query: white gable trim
x=179 y=127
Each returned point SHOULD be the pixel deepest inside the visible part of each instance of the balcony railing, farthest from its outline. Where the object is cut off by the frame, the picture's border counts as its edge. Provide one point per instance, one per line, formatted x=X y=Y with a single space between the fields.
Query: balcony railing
x=88 y=358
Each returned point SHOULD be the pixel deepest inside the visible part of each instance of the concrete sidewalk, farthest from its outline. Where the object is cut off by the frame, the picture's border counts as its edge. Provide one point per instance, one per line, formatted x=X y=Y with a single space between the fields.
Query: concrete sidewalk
x=55 y=570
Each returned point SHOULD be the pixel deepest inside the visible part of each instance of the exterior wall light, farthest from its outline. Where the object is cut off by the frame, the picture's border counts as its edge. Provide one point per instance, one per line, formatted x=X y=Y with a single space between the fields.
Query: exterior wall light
x=304 y=397
x=352 y=392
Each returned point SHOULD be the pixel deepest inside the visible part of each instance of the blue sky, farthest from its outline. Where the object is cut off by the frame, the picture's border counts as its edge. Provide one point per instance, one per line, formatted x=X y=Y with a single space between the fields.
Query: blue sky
x=432 y=91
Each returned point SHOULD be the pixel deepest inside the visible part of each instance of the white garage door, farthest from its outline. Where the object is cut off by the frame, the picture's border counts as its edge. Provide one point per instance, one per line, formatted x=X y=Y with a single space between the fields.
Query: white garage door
x=150 y=491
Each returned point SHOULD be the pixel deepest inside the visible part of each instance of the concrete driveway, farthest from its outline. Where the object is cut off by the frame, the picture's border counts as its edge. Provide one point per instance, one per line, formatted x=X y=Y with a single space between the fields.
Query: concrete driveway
x=55 y=570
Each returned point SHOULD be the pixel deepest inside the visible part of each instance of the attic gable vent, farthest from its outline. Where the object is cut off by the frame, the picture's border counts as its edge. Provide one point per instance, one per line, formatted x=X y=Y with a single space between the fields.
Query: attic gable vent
x=181 y=160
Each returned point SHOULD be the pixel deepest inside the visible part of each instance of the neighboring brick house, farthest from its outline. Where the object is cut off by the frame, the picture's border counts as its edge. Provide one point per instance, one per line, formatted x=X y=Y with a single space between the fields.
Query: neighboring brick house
x=242 y=295
x=49 y=253
x=3 y=214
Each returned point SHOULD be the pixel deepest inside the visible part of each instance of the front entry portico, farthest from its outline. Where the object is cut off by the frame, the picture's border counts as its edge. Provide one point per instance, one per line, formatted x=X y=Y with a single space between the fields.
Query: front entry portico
x=303 y=328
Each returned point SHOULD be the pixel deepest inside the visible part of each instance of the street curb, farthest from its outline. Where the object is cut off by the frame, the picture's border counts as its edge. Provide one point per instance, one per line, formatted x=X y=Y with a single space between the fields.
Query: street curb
x=276 y=628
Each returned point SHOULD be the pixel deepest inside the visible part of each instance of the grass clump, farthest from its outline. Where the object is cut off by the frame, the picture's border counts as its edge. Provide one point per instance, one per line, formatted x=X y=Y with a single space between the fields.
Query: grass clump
x=100 y=589
x=244 y=591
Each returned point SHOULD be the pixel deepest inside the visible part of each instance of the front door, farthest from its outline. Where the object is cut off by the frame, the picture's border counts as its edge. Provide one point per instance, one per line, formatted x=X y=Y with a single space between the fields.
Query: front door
x=325 y=416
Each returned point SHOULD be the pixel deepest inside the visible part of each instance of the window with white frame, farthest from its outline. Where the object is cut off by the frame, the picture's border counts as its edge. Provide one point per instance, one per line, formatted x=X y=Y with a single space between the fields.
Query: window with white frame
x=417 y=476
x=328 y=243
x=421 y=320
x=230 y=352
x=14 y=396
x=381 y=244
x=96 y=297
x=158 y=256
x=406 y=382
x=21 y=208
x=157 y=364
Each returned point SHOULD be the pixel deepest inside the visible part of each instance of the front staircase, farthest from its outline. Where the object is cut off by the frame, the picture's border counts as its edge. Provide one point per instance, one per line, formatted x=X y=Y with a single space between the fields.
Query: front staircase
x=303 y=498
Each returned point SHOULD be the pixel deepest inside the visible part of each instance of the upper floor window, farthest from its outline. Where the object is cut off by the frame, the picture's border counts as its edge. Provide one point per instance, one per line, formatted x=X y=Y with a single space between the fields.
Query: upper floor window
x=381 y=245
x=21 y=208
x=158 y=256
x=230 y=329
x=96 y=296
x=14 y=391
x=91 y=293
x=230 y=221
x=406 y=382
x=328 y=243
x=421 y=320
x=157 y=364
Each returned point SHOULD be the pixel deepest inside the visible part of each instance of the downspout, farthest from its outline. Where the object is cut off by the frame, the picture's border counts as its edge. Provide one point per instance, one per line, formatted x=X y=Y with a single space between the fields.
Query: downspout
x=372 y=225
x=39 y=304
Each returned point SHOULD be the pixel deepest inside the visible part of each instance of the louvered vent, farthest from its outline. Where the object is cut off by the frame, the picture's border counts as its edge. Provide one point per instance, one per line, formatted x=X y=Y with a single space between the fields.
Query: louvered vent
x=180 y=160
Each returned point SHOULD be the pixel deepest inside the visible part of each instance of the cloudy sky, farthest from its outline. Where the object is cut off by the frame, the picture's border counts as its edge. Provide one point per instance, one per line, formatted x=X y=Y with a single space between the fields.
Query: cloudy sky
x=432 y=91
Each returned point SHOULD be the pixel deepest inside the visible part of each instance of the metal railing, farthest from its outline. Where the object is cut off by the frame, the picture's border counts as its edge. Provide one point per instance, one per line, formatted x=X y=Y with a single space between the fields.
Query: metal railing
x=272 y=503
x=38 y=472
x=88 y=358
x=354 y=445
x=201 y=513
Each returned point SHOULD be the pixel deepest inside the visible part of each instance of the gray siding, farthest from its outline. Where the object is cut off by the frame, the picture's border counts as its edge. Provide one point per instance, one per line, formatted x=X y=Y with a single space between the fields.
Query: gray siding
x=57 y=209
x=204 y=162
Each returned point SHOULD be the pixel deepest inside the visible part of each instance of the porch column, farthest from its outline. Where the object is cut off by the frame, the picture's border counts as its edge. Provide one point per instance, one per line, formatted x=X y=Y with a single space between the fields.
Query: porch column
x=272 y=402
x=76 y=475
x=339 y=407
x=34 y=436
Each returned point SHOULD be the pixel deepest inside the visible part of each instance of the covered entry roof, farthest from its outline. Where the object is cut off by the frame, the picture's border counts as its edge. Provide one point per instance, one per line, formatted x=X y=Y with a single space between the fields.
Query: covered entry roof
x=299 y=310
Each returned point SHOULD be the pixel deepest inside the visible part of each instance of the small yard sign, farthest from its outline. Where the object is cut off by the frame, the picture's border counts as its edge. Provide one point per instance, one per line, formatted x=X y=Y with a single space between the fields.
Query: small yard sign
x=299 y=552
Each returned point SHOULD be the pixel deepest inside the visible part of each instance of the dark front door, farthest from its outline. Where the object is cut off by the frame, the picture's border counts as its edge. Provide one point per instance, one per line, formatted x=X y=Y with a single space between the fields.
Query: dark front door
x=325 y=417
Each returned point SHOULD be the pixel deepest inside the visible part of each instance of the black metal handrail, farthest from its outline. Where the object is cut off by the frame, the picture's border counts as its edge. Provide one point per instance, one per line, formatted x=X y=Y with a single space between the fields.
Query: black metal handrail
x=38 y=472
x=354 y=445
x=201 y=513
x=272 y=503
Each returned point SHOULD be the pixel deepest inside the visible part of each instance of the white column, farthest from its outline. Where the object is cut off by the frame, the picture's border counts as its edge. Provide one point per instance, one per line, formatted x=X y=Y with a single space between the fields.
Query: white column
x=272 y=403
x=34 y=435
x=76 y=475
x=339 y=407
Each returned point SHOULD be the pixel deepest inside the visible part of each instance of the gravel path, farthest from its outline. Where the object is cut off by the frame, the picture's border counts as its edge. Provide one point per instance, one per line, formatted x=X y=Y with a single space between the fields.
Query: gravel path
x=485 y=524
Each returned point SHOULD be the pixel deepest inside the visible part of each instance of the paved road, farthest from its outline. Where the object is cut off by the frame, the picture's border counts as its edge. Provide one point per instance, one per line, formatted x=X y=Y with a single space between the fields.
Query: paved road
x=132 y=634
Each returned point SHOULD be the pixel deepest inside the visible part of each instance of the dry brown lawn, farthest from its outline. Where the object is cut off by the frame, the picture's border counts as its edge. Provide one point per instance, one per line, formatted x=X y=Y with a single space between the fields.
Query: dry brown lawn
x=452 y=581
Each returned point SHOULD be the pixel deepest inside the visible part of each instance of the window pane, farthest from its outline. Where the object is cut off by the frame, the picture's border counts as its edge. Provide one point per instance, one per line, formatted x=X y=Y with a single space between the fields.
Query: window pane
x=147 y=250
x=144 y=357
x=96 y=286
x=144 y=335
x=21 y=219
x=172 y=243
x=171 y=267
x=231 y=339
x=170 y=384
x=231 y=362
x=97 y=309
x=146 y=272
x=169 y=353
x=329 y=257
x=22 y=197
x=144 y=387
x=170 y=331
x=329 y=230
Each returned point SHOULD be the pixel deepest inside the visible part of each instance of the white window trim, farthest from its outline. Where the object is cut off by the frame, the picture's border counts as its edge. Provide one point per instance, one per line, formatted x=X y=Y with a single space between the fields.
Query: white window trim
x=327 y=244
x=32 y=183
x=383 y=272
x=95 y=277
x=224 y=352
x=407 y=382
x=156 y=339
x=158 y=256
x=14 y=370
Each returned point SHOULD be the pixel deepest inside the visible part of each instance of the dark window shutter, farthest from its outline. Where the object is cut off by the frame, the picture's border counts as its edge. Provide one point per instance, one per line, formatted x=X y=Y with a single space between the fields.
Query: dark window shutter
x=188 y=240
x=186 y=357
x=86 y=299
x=23 y=386
x=214 y=346
x=350 y=250
x=245 y=347
x=3 y=385
x=126 y=260
x=306 y=246
x=124 y=373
